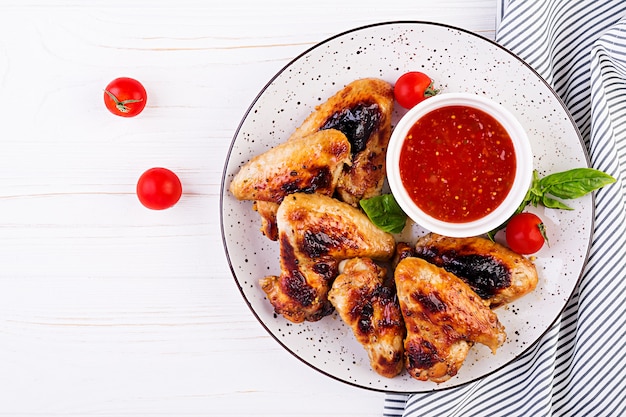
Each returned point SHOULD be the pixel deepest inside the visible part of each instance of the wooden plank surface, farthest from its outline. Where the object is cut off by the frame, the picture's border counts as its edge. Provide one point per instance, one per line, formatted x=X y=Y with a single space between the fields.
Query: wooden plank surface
x=107 y=308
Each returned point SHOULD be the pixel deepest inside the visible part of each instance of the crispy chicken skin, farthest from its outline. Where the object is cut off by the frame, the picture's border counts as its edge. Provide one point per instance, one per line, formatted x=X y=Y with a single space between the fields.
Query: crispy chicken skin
x=315 y=232
x=362 y=111
x=494 y=272
x=443 y=318
x=306 y=164
x=267 y=210
x=403 y=250
x=371 y=309
x=311 y=161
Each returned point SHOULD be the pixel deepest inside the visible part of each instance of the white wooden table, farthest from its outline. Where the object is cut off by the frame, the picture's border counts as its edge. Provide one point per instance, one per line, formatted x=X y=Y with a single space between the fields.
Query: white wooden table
x=108 y=308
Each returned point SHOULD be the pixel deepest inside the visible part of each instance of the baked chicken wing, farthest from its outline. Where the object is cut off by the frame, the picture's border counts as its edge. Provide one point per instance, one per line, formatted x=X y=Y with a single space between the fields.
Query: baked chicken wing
x=305 y=164
x=312 y=163
x=371 y=309
x=443 y=318
x=493 y=271
x=315 y=232
x=362 y=111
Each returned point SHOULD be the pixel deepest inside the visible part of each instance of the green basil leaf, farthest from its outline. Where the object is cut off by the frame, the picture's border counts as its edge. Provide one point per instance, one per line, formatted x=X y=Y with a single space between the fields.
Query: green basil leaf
x=574 y=183
x=385 y=213
x=533 y=195
x=570 y=184
x=553 y=203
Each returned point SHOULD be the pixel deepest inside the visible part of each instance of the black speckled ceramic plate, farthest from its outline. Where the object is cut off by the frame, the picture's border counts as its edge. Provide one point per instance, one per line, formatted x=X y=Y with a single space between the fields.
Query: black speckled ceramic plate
x=456 y=60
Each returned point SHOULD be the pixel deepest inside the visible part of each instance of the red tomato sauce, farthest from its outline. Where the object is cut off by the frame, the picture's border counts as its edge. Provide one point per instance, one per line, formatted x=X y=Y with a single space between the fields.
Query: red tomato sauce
x=457 y=163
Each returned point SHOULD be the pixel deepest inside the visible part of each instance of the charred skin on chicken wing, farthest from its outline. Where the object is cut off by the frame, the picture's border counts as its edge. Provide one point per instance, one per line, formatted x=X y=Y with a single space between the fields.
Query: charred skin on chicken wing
x=362 y=111
x=315 y=232
x=443 y=318
x=311 y=164
x=306 y=164
x=493 y=271
x=371 y=309
x=267 y=210
x=403 y=250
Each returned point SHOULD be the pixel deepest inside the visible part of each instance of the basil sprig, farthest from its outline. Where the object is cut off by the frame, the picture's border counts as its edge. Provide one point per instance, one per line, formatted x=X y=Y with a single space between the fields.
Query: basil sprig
x=566 y=185
x=384 y=212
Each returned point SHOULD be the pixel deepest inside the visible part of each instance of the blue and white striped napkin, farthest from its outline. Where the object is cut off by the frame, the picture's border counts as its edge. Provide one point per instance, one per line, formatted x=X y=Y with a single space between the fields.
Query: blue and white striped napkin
x=579 y=367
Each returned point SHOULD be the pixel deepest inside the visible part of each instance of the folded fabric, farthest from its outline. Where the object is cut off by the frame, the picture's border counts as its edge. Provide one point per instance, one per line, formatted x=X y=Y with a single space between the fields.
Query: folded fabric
x=579 y=366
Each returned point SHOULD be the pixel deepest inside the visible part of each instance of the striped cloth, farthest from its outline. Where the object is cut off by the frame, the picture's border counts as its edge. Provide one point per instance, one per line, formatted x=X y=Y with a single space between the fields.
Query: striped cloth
x=579 y=367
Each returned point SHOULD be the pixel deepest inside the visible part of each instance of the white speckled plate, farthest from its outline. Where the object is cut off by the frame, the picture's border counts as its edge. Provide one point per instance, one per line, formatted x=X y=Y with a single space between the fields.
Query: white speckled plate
x=457 y=60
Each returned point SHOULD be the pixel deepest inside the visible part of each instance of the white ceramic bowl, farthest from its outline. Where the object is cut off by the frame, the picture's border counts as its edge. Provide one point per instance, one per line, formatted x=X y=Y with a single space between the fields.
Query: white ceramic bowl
x=521 y=182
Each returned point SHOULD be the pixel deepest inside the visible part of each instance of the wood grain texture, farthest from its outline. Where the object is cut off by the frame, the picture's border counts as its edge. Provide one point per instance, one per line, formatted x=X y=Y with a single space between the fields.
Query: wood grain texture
x=107 y=308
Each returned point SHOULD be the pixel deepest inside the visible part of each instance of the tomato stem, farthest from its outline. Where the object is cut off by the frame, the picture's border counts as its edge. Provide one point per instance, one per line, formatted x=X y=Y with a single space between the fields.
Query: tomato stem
x=431 y=90
x=542 y=230
x=121 y=105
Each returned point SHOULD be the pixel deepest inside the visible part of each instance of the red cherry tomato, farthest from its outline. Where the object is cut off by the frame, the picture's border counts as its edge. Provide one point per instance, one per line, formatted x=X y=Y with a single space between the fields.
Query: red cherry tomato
x=125 y=97
x=413 y=87
x=159 y=188
x=525 y=233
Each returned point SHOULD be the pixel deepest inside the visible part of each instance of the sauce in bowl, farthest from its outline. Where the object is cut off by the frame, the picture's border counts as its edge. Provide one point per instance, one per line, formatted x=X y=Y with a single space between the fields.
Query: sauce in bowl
x=457 y=163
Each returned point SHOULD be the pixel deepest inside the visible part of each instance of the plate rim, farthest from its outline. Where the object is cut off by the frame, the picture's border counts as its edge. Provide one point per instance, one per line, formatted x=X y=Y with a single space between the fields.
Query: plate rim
x=224 y=190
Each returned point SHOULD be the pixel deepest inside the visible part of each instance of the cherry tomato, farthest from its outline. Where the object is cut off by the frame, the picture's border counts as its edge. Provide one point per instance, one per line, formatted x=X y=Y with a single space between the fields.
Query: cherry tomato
x=413 y=87
x=525 y=233
x=125 y=97
x=159 y=188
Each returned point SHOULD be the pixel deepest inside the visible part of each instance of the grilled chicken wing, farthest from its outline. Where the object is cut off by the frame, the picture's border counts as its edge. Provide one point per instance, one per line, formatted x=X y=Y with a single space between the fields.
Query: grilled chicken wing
x=443 y=317
x=306 y=164
x=403 y=250
x=267 y=210
x=371 y=309
x=315 y=232
x=494 y=272
x=362 y=111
